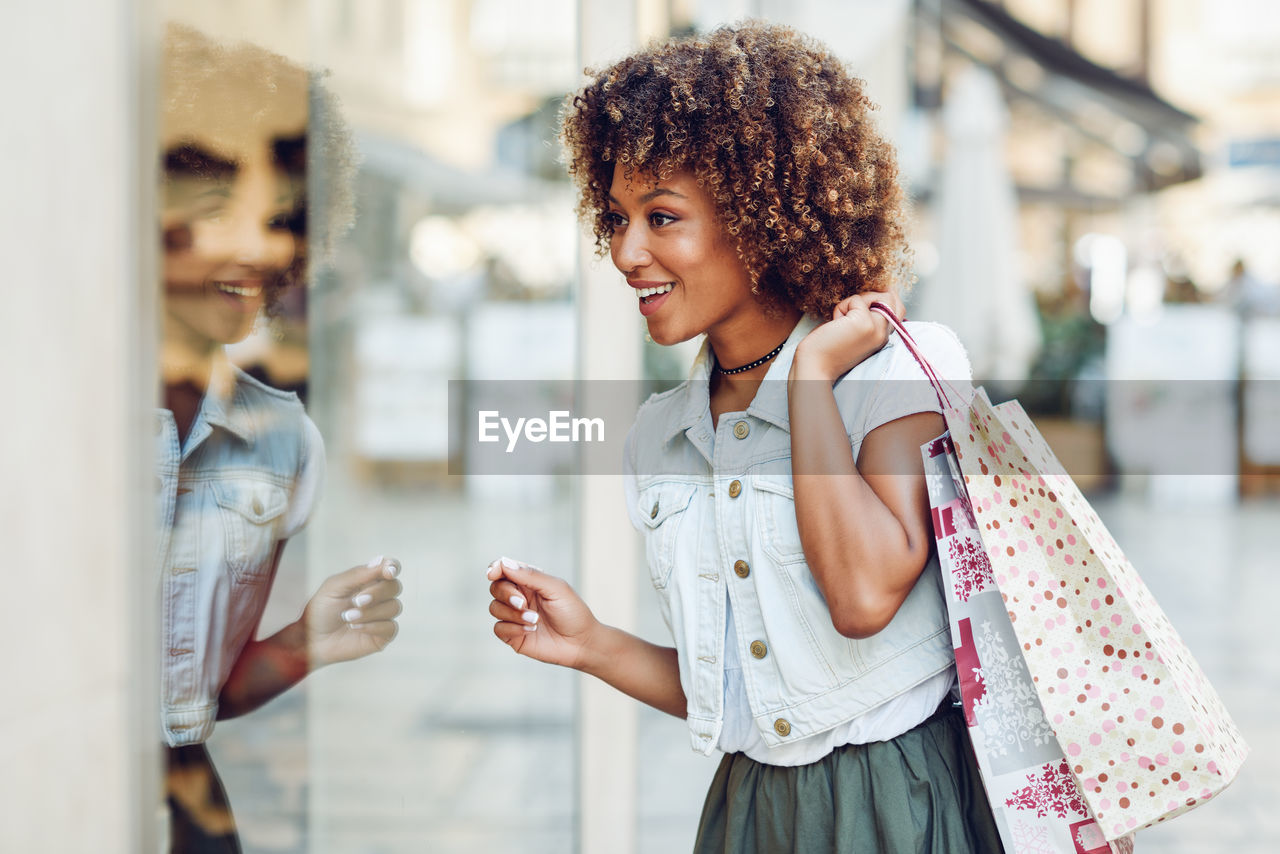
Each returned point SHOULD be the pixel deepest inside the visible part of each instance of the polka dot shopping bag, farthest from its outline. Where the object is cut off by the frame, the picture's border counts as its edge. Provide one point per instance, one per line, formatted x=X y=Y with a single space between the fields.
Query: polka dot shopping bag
x=1089 y=717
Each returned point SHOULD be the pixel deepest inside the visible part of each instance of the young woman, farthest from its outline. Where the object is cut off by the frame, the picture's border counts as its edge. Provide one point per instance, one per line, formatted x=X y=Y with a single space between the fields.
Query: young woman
x=743 y=192
x=238 y=463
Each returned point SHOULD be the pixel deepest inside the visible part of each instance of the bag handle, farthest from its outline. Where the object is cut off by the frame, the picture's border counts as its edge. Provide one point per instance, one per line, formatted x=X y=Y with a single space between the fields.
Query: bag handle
x=914 y=349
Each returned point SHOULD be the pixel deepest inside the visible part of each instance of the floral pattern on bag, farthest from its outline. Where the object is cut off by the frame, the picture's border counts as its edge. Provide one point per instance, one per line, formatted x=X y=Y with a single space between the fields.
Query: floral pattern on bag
x=1054 y=790
x=971 y=571
x=1009 y=712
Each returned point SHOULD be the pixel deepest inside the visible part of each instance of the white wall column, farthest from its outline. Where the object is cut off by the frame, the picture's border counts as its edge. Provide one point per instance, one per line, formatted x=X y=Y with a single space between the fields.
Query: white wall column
x=79 y=735
x=609 y=348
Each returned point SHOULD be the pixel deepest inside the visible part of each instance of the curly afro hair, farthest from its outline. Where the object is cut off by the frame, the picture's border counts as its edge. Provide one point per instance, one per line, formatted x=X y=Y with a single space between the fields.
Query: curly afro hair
x=779 y=134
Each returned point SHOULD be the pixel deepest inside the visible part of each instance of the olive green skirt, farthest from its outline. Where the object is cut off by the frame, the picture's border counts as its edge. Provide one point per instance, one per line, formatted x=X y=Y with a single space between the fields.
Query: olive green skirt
x=919 y=792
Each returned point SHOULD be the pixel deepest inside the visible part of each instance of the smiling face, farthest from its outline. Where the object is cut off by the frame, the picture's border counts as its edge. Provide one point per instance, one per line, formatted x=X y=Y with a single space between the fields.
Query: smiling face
x=229 y=240
x=668 y=242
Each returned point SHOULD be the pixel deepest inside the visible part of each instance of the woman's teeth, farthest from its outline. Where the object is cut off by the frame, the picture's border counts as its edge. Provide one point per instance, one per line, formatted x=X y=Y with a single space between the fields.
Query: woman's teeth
x=645 y=293
x=238 y=290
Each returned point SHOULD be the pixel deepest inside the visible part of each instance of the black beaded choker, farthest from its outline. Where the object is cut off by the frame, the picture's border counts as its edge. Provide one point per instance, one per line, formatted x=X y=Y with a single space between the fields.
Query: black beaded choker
x=749 y=365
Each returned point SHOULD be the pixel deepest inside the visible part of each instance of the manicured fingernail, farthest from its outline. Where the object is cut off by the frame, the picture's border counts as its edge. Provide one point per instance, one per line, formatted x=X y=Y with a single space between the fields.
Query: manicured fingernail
x=491 y=571
x=517 y=602
x=530 y=617
x=509 y=563
x=351 y=615
x=377 y=560
x=530 y=628
x=362 y=600
x=391 y=570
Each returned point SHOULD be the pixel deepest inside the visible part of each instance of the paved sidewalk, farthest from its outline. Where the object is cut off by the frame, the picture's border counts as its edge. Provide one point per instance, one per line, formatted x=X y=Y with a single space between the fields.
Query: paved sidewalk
x=448 y=742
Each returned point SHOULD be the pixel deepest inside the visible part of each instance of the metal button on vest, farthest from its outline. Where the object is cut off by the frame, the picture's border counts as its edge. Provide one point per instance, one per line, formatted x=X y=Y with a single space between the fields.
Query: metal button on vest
x=741 y=568
x=257 y=506
x=735 y=489
x=782 y=727
x=741 y=429
x=758 y=649
x=653 y=514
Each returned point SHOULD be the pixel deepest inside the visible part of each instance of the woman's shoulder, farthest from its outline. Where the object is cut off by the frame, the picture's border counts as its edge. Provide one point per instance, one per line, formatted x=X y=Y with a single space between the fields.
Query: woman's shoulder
x=662 y=410
x=251 y=391
x=650 y=450
x=279 y=422
x=894 y=385
x=938 y=344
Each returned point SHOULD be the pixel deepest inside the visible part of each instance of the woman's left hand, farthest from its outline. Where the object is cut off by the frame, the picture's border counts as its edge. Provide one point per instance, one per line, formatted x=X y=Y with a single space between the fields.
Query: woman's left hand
x=353 y=613
x=852 y=334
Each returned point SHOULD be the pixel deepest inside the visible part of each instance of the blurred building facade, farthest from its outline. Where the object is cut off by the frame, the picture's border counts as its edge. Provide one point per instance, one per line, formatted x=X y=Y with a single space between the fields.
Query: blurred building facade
x=1139 y=140
x=1143 y=145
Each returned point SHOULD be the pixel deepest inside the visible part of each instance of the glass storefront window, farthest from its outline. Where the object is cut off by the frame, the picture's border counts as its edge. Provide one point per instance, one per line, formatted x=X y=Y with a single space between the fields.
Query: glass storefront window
x=440 y=244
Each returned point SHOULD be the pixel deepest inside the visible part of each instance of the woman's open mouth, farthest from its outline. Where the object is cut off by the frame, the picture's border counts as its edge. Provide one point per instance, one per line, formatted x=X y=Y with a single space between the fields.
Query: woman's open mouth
x=244 y=295
x=651 y=298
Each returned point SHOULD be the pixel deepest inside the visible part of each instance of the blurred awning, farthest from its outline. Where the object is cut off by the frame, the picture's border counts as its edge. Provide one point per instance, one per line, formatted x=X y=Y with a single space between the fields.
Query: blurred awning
x=978 y=289
x=1121 y=113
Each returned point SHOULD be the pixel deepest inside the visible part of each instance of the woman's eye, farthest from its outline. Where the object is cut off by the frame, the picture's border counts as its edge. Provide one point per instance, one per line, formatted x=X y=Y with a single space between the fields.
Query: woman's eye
x=614 y=221
x=211 y=213
x=657 y=220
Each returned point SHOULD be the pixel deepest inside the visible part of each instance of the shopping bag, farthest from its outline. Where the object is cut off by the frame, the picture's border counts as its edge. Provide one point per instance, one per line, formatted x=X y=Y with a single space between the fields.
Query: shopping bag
x=1035 y=799
x=1145 y=733
x=1142 y=732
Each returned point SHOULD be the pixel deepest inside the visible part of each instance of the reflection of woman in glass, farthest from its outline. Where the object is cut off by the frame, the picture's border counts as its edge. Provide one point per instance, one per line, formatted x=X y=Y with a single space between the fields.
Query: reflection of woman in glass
x=239 y=464
x=744 y=193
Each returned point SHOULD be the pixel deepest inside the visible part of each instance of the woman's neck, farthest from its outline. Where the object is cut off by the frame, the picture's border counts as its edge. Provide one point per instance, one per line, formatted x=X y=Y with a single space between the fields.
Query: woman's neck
x=186 y=357
x=186 y=369
x=741 y=346
x=751 y=338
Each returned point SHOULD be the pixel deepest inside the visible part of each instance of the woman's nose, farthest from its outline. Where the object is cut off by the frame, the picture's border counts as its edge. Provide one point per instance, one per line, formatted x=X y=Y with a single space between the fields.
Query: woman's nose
x=252 y=243
x=630 y=250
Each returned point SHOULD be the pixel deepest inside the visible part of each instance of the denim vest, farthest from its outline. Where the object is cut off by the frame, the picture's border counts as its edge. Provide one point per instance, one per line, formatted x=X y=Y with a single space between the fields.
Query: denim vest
x=717 y=508
x=245 y=479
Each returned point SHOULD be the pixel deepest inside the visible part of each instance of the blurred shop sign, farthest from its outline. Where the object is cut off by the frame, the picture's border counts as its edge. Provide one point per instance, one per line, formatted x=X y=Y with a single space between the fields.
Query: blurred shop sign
x=1243 y=153
x=1171 y=402
x=531 y=347
x=403 y=365
x=1242 y=34
x=1261 y=398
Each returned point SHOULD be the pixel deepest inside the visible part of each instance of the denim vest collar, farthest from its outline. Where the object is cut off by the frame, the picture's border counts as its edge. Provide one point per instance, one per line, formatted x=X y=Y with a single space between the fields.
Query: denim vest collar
x=770 y=402
x=223 y=406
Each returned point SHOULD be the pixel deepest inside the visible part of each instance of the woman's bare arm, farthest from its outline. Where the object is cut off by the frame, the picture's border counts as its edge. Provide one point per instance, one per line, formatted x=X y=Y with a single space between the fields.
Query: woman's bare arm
x=866 y=536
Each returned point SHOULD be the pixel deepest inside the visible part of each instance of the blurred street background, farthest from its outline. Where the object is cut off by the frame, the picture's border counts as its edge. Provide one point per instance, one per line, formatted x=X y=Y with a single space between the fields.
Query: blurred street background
x=1096 y=194
x=1095 y=189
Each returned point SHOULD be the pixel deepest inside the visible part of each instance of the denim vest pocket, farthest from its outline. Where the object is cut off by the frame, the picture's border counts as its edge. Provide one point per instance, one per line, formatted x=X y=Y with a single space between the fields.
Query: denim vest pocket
x=779 y=532
x=662 y=506
x=829 y=656
x=250 y=513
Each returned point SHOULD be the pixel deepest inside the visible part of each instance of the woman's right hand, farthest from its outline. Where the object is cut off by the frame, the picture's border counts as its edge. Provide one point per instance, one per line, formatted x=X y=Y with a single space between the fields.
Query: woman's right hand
x=539 y=615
